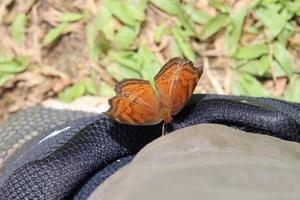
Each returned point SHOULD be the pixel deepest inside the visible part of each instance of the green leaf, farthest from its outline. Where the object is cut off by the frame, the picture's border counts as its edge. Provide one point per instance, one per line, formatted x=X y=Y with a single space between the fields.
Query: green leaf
x=282 y=55
x=93 y=51
x=213 y=26
x=174 y=48
x=263 y=2
x=104 y=21
x=70 y=17
x=54 y=33
x=233 y=32
x=237 y=89
x=89 y=86
x=273 y=5
x=297 y=45
x=187 y=24
x=120 y=72
x=222 y=7
x=125 y=37
x=106 y=90
x=97 y=43
x=198 y=16
x=252 y=30
x=277 y=68
x=159 y=32
x=248 y=85
x=148 y=64
x=126 y=59
x=255 y=3
x=293 y=91
x=75 y=91
x=251 y=51
x=102 y=43
x=258 y=67
x=170 y=7
x=127 y=13
x=183 y=44
x=286 y=33
x=18 y=26
x=5 y=58
x=274 y=21
x=137 y=9
x=4 y=78
x=86 y=15
x=121 y=11
x=293 y=7
x=99 y=33
x=15 y=65
x=174 y=8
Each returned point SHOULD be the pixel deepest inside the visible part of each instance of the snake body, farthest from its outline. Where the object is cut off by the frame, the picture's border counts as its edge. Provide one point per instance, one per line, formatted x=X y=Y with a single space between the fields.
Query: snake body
x=66 y=162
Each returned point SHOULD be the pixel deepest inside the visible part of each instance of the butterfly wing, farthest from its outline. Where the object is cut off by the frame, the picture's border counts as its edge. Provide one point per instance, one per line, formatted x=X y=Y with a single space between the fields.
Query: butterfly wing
x=176 y=82
x=135 y=103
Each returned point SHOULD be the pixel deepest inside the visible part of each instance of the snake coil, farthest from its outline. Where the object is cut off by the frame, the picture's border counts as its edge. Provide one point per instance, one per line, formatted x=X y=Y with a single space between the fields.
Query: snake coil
x=53 y=168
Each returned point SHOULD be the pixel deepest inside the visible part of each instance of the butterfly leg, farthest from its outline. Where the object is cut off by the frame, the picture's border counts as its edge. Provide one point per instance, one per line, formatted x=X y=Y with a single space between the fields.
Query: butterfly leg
x=166 y=128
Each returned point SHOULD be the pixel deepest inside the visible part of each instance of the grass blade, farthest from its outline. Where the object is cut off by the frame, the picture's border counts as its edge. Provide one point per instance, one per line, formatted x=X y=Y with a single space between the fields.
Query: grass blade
x=213 y=26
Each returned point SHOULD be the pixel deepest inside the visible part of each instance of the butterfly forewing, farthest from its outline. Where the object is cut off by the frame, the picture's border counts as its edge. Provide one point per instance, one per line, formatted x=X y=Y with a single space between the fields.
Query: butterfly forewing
x=176 y=83
x=164 y=81
x=135 y=103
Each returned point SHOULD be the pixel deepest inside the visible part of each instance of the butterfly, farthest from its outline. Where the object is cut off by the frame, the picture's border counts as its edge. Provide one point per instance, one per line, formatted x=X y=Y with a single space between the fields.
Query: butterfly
x=138 y=103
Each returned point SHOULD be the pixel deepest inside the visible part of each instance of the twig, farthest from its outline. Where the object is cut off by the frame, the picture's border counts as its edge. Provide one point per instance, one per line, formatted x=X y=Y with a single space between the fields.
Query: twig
x=216 y=85
x=36 y=35
x=270 y=58
x=106 y=77
x=227 y=79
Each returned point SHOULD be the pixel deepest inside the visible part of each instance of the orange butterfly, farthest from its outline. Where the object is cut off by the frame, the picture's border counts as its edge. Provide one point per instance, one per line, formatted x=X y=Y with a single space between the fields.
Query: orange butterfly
x=137 y=103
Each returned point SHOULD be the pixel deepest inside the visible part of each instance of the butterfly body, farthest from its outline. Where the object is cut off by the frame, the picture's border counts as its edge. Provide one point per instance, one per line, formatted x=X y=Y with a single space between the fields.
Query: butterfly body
x=137 y=103
x=166 y=116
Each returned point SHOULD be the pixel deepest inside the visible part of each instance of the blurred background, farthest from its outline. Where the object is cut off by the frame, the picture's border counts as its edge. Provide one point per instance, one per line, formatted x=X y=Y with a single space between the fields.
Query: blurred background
x=66 y=49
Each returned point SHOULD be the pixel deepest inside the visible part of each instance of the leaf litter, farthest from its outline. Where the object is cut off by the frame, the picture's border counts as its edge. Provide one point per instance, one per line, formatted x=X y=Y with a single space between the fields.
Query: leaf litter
x=67 y=49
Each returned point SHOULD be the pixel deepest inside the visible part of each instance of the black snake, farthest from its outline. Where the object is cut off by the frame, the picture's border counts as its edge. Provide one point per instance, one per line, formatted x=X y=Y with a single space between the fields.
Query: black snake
x=55 y=167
